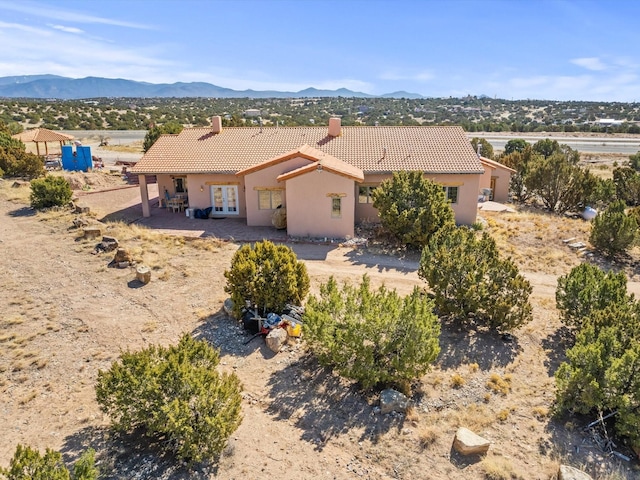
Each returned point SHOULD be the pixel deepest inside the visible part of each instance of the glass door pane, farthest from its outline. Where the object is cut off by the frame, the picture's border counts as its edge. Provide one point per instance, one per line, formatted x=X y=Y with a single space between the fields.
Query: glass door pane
x=232 y=204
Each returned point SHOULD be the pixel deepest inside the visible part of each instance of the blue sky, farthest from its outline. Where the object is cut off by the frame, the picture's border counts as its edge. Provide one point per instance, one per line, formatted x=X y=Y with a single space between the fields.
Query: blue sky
x=513 y=49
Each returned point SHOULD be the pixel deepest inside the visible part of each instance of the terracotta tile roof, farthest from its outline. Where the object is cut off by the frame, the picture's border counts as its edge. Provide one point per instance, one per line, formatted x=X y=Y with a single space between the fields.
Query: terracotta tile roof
x=318 y=159
x=42 y=135
x=327 y=163
x=370 y=149
x=487 y=162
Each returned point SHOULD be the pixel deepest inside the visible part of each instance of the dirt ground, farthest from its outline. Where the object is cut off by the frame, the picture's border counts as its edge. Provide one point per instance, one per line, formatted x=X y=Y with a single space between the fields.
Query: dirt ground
x=66 y=315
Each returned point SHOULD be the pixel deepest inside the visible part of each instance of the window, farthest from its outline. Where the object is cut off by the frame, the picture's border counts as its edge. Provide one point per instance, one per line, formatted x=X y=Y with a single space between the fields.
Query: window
x=224 y=199
x=365 y=193
x=336 y=207
x=451 y=193
x=180 y=184
x=269 y=199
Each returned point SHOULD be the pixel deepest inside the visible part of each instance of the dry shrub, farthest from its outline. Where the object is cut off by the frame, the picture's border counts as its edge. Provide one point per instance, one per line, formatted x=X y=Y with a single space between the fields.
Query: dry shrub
x=473 y=367
x=498 y=468
x=457 y=381
x=500 y=385
x=504 y=414
x=475 y=417
x=427 y=435
x=541 y=412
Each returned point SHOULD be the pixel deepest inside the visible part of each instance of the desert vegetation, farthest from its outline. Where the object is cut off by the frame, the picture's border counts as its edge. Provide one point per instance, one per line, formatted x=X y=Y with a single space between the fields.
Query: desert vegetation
x=474 y=114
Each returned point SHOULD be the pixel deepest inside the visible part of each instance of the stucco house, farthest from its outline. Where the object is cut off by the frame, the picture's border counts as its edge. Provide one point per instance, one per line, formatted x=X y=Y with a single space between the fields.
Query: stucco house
x=323 y=176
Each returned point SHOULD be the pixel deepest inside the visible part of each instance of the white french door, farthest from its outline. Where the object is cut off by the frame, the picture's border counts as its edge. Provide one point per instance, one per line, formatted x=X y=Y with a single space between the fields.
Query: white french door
x=224 y=199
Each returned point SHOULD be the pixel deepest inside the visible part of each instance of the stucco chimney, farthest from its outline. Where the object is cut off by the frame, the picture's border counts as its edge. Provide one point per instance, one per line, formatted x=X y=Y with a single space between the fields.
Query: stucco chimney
x=335 y=127
x=216 y=124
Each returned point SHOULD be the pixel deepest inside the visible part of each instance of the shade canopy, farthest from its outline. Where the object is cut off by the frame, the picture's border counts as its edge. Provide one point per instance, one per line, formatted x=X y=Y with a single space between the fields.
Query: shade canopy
x=42 y=135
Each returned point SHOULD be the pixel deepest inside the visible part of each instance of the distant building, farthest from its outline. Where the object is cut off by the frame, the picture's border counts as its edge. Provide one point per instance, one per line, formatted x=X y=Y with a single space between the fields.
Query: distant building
x=252 y=112
x=608 y=122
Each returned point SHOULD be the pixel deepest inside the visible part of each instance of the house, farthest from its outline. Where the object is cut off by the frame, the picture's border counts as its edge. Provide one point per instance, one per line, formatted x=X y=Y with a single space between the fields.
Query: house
x=323 y=176
x=497 y=178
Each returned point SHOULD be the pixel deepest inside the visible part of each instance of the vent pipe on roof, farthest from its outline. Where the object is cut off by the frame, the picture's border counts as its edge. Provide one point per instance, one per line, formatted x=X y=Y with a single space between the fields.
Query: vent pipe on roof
x=216 y=124
x=335 y=127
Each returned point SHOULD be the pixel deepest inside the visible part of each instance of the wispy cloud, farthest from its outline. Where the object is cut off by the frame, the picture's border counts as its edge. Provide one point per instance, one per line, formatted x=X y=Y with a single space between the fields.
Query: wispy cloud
x=590 y=63
x=44 y=10
x=62 y=28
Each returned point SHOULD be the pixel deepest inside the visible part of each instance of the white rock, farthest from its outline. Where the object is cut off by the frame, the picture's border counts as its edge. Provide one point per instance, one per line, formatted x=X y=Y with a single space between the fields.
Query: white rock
x=468 y=443
x=276 y=339
x=570 y=473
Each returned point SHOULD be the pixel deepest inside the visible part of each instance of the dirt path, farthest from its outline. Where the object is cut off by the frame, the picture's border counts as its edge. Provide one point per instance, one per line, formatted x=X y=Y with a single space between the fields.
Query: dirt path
x=65 y=315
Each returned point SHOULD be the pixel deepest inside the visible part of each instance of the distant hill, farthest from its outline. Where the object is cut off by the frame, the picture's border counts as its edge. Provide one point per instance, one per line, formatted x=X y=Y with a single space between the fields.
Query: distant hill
x=52 y=86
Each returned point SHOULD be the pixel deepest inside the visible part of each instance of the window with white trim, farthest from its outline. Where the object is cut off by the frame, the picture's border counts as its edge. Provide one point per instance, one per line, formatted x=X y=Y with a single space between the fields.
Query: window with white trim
x=451 y=194
x=269 y=199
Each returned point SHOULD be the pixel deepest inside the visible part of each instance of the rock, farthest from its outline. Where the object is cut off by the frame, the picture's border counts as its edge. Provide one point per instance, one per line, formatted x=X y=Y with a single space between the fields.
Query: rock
x=80 y=222
x=92 y=232
x=276 y=339
x=468 y=443
x=108 y=244
x=81 y=209
x=20 y=183
x=393 y=401
x=122 y=256
x=570 y=473
x=143 y=274
x=123 y=264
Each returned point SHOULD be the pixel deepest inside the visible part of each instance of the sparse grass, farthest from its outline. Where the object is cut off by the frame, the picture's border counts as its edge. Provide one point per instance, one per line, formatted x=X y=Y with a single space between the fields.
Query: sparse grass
x=473 y=367
x=457 y=381
x=503 y=414
x=498 y=468
x=150 y=326
x=499 y=385
x=427 y=435
x=7 y=337
x=540 y=412
x=474 y=417
x=31 y=396
x=533 y=238
x=13 y=321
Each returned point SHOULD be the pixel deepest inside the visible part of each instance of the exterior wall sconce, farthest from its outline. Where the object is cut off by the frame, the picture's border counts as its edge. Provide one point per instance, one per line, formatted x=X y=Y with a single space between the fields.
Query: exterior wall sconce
x=202 y=188
x=319 y=167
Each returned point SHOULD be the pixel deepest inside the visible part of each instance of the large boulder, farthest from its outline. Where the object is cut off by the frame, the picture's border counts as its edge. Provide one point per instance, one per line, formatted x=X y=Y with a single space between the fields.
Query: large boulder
x=276 y=339
x=468 y=443
x=570 y=473
x=393 y=401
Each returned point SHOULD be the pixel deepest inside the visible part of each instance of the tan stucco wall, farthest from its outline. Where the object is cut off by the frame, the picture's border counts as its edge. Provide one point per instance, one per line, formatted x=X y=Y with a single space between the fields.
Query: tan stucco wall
x=266 y=178
x=503 y=179
x=465 y=210
x=309 y=207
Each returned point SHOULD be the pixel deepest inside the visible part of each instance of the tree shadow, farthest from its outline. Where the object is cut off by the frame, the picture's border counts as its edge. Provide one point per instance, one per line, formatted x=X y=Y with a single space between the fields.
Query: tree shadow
x=461 y=346
x=133 y=455
x=324 y=405
x=555 y=346
x=575 y=445
x=383 y=262
x=23 y=212
x=228 y=335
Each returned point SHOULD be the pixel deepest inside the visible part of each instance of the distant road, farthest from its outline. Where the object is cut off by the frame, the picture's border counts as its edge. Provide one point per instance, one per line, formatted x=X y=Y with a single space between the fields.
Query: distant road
x=622 y=145
x=627 y=146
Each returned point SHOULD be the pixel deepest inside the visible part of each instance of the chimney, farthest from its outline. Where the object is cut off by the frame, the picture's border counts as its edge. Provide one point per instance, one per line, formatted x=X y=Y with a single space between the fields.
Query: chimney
x=216 y=124
x=334 y=127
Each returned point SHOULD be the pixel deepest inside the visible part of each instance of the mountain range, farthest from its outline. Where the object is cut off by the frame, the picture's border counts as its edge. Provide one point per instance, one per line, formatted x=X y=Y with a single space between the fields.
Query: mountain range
x=64 y=88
